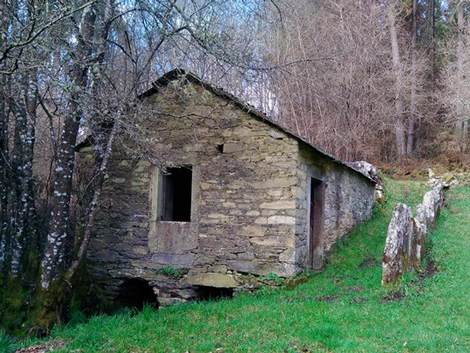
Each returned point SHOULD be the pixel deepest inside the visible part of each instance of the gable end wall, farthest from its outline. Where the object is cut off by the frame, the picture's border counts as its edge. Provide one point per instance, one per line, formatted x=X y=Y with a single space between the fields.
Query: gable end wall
x=244 y=203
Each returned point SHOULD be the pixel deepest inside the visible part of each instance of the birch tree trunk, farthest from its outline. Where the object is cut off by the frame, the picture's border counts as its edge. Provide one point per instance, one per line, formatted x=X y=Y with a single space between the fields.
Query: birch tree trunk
x=30 y=230
x=398 y=73
x=87 y=78
x=23 y=217
x=103 y=140
x=53 y=261
x=19 y=203
x=4 y=150
x=18 y=96
x=5 y=178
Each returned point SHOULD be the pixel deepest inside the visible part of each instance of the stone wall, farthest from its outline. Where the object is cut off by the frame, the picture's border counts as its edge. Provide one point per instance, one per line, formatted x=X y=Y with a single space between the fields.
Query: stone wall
x=405 y=245
x=249 y=199
x=349 y=200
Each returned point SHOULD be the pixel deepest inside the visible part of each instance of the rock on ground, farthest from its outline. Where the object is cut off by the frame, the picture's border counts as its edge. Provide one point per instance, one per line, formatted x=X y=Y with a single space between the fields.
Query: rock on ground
x=42 y=348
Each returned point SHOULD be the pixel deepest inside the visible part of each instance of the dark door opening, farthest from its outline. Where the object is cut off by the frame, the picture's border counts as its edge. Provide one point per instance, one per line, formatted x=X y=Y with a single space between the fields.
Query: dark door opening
x=176 y=188
x=317 y=201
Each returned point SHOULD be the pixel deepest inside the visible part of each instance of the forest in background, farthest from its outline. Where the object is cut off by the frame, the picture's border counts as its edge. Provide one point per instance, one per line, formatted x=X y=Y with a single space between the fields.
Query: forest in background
x=377 y=80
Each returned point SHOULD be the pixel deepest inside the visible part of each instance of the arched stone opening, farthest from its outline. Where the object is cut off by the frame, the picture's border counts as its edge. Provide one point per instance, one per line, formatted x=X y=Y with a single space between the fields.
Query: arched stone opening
x=135 y=293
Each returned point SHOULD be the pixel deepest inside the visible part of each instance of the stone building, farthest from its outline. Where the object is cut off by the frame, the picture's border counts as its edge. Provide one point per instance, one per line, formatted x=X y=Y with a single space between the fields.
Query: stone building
x=236 y=196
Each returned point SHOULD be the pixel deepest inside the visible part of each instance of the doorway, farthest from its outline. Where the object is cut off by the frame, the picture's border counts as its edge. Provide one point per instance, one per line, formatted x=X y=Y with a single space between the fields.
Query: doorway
x=317 y=205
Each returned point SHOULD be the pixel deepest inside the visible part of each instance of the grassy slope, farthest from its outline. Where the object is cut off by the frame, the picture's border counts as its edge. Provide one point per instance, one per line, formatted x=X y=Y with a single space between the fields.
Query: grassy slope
x=339 y=310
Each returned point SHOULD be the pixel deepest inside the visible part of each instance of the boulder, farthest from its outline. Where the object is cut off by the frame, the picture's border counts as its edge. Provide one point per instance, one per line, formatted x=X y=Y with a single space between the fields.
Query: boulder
x=379 y=193
x=422 y=219
x=431 y=174
x=365 y=168
x=448 y=180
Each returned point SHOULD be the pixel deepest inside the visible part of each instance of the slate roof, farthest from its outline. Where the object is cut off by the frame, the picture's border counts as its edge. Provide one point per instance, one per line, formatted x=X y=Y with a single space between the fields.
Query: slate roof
x=254 y=112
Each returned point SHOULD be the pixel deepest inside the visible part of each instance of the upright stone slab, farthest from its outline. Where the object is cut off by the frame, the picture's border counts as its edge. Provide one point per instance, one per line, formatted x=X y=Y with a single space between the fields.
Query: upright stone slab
x=417 y=248
x=398 y=245
x=432 y=203
x=406 y=238
x=421 y=217
x=421 y=223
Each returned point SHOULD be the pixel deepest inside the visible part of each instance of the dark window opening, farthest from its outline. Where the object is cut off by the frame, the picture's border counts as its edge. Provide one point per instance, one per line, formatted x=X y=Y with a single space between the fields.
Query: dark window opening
x=176 y=195
x=213 y=293
x=135 y=293
x=220 y=148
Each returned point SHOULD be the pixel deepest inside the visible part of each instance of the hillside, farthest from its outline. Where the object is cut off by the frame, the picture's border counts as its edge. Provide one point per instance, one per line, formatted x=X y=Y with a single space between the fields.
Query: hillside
x=343 y=309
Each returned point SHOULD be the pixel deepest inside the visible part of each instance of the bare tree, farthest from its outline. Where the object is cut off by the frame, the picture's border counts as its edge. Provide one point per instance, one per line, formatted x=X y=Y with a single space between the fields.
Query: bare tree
x=398 y=72
x=456 y=79
x=337 y=94
x=411 y=125
x=462 y=112
x=19 y=94
x=91 y=32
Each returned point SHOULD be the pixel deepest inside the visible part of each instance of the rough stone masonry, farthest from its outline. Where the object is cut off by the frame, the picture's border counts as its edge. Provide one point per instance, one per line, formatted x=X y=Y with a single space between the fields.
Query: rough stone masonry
x=259 y=199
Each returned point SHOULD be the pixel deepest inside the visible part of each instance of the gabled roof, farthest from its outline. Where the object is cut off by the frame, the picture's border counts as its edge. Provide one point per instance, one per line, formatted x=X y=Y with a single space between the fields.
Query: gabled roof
x=254 y=112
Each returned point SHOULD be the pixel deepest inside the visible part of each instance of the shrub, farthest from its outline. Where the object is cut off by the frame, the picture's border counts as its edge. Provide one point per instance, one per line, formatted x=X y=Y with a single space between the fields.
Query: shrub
x=168 y=271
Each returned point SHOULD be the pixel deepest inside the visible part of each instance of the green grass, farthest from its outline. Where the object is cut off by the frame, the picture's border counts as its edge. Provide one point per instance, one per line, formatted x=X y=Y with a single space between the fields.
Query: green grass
x=339 y=310
x=6 y=342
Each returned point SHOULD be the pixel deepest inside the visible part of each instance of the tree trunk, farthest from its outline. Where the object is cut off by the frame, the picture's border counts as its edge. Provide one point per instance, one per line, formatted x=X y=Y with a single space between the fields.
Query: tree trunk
x=103 y=149
x=99 y=173
x=432 y=38
x=18 y=98
x=411 y=125
x=62 y=186
x=5 y=167
x=397 y=69
x=19 y=209
x=31 y=230
x=94 y=35
x=460 y=130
